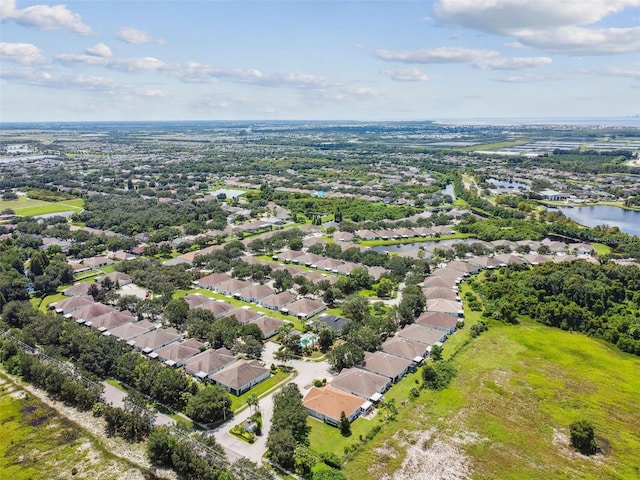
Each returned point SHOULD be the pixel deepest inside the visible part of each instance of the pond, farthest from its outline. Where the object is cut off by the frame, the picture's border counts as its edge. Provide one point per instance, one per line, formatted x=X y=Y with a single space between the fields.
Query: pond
x=448 y=190
x=627 y=221
x=508 y=184
x=428 y=247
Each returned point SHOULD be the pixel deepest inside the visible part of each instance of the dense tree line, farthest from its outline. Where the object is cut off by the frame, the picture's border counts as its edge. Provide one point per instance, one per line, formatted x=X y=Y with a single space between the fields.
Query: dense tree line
x=289 y=428
x=602 y=301
x=106 y=357
x=59 y=384
x=130 y=215
x=153 y=275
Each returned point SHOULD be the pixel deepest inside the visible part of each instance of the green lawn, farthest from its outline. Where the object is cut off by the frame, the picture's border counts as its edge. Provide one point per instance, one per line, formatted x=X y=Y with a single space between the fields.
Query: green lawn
x=28 y=208
x=518 y=388
x=376 y=243
x=297 y=323
x=43 y=303
x=601 y=249
x=261 y=389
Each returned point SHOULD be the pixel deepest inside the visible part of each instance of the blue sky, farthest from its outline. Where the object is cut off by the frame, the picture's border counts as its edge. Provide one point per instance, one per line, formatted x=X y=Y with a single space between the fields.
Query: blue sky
x=324 y=60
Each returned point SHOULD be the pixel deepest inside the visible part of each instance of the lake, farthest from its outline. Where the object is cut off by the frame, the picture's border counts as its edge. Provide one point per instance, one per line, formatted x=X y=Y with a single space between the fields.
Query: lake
x=448 y=190
x=428 y=247
x=627 y=221
x=509 y=184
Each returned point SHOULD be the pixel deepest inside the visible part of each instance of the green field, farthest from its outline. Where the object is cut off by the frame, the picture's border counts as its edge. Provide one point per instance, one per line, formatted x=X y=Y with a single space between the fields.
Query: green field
x=27 y=207
x=518 y=389
x=36 y=443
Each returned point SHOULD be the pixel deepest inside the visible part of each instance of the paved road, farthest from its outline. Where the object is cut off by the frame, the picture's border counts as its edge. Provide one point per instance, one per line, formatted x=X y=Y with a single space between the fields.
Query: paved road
x=307 y=372
x=234 y=447
x=115 y=397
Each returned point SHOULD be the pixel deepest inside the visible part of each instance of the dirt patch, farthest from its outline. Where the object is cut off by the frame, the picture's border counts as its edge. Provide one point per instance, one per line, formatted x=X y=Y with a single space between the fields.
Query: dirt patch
x=562 y=442
x=430 y=455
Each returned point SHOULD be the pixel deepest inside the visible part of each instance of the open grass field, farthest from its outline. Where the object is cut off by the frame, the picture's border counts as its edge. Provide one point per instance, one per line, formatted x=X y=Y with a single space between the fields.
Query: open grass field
x=507 y=413
x=27 y=207
x=36 y=443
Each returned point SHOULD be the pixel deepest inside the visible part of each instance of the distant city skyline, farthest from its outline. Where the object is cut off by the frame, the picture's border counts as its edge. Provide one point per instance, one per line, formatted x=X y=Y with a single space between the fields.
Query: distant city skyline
x=318 y=60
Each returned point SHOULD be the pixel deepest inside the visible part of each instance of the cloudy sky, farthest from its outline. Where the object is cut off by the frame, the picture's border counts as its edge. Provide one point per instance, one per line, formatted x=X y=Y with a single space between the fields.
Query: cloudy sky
x=305 y=59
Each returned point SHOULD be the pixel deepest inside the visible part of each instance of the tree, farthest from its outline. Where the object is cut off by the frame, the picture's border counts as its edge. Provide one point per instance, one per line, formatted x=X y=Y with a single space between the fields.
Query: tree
x=169 y=387
x=438 y=375
x=245 y=469
x=346 y=355
x=325 y=339
x=38 y=263
x=345 y=425
x=360 y=278
x=305 y=460
x=160 y=446
x=385 y=287
x=282 y=447
x=583 y=437
x=176 y=312
x=288 y=413
x=356 y=307
x=209 y=405
x=436 y=353
x=254 y=402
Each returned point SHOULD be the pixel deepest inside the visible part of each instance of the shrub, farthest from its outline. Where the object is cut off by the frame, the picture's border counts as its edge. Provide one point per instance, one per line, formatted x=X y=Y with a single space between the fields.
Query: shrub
x=583 y=437
x=331 y=459
x=438 y=375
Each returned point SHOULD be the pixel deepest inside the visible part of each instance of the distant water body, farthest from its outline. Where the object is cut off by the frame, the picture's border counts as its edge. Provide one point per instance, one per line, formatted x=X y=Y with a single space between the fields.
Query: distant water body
x=627 y=221
x=569 y=121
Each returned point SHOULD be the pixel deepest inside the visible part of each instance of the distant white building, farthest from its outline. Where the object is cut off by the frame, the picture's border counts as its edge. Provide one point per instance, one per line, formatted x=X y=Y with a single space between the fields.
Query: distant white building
x=552 y=195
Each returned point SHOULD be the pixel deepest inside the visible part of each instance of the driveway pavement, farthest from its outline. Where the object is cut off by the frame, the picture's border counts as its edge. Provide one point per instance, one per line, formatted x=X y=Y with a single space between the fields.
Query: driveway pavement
x=307 y=372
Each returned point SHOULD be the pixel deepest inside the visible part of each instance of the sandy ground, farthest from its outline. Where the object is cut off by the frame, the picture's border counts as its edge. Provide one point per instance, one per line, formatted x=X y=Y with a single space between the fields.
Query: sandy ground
x=429 y=456
x=134 y=453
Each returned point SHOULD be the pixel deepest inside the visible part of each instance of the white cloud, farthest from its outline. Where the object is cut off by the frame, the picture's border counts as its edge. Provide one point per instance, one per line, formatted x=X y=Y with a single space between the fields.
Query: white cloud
x=341 y=93
x=556 y=26
x=507 y=16
x=132 y=35
x=515 y=63
x=143 y=64
x=152 y=93
x=620 y=72
x=405 y=75
x=530 y=77
x=78 y=82
x=585 y=41
x=72 y=59
x=194 y=72
x=436 y=55
x=482 y=59
x=22 y=53
x=99 y=50
x=44 y=17
x=30 y=77
x=90 y=82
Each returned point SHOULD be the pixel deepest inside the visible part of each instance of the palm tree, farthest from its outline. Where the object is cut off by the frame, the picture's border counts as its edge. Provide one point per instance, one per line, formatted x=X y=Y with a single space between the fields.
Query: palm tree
x=254 y=402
